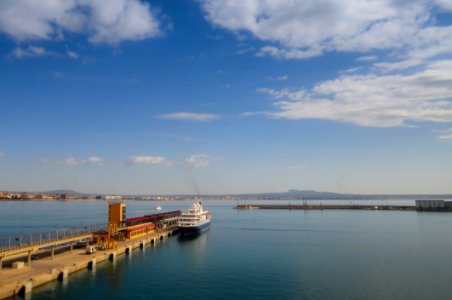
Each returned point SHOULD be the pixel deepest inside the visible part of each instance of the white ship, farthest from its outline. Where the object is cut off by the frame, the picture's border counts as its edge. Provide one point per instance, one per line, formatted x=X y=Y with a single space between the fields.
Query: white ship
x=196 y=219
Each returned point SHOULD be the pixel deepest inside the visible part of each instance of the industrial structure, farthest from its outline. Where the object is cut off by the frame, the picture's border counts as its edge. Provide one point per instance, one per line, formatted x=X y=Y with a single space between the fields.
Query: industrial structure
x=120 y=228
x=433 y=205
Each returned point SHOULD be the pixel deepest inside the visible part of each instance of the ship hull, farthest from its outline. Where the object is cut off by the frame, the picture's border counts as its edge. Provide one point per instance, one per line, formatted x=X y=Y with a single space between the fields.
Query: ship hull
x=194 y=229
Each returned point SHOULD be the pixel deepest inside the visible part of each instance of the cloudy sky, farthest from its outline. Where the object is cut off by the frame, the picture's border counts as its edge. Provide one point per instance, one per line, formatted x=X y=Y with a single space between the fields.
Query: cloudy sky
x=226 y=96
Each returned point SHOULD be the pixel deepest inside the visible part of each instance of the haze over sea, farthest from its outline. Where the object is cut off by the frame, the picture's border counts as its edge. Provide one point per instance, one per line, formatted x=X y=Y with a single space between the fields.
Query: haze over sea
x=258 y=254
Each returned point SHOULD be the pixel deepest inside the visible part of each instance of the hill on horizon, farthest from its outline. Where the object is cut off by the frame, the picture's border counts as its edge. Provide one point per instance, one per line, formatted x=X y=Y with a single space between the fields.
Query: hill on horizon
x=290 y=194
x=62 y=191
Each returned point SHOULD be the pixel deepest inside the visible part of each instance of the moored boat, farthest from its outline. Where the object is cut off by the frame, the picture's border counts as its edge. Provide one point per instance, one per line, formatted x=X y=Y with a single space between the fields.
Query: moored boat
x=195 y=219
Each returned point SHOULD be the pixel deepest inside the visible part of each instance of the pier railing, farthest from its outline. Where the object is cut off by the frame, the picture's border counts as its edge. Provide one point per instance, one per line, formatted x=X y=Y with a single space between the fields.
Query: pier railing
x=40 y=238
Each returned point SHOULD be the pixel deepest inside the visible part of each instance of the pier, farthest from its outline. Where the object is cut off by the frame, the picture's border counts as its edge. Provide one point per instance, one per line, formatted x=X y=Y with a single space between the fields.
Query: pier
x=420 y=205
x=31 y=244
x=325 y=207
x=20 y=281
x=32 y=260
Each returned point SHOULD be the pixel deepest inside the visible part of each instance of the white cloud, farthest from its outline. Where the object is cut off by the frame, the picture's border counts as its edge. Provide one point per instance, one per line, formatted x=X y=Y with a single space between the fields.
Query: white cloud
x=245 y=49
x=373 y=100
x=352 y=70
x=122 y=20
x=2 y=154
x=73 y=161
x=70 y=161
x=149 y=160
x=190 y=116
x=289 y=53
x=426 y=44
x=279 y=78
x=307 y=28
x=38 y=51
x=94 y=160
x=31 y=51
x=284 y=93
x=72 y=54
x=253 y=113
x=197 y=160
x=103 y=22
x=446 y=134
x=35 y=51
x=445 y=4
x=367 y=58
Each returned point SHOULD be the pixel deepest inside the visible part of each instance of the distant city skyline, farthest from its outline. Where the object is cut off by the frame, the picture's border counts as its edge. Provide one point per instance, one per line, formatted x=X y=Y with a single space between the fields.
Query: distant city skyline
x=226 y=97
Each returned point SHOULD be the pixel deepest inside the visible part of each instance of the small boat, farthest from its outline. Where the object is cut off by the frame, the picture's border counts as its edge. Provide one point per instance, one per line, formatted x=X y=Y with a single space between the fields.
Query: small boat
x=195 y=219
x=158 y=207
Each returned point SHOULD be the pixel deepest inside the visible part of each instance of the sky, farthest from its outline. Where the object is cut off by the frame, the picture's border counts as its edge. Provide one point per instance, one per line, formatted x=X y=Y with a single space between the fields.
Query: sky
x=226 y=96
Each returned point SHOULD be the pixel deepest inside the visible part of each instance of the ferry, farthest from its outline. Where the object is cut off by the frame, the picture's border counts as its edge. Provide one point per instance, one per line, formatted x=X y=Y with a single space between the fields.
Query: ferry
x=195 y=220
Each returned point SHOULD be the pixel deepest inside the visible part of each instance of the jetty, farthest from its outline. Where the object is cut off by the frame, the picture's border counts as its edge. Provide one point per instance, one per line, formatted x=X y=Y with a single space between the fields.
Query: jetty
x=324 y=207
x=420 y=205
x=32 y=260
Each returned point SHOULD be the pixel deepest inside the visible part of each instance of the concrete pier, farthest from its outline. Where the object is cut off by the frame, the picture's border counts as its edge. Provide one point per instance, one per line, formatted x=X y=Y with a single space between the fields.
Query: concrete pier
x=325 y=207
x=22 y=281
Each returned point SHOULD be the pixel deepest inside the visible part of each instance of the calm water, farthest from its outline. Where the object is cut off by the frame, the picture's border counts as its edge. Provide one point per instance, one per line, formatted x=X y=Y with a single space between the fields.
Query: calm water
x=259 y=254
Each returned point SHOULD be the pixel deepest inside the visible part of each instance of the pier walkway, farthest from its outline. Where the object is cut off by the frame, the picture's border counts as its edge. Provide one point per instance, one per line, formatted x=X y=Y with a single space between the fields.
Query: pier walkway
x=44 y=270
x=424 y=205
x=322 y=207
x=15 y=247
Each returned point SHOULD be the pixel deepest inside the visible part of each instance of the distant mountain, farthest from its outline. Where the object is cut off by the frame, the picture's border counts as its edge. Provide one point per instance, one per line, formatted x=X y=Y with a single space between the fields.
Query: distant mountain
x=291 y=194
x=315 y=194
x=67 y=192
x=301 y=194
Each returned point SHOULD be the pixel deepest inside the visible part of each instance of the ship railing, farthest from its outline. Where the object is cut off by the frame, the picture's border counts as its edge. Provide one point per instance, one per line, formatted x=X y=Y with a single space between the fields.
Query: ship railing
x=41 y=238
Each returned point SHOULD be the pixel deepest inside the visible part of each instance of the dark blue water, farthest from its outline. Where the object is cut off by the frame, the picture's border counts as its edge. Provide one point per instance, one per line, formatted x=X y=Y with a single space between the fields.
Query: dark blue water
x=259 y=254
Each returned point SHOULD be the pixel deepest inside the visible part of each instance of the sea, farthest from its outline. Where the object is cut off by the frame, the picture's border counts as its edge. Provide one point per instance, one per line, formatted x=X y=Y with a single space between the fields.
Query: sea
x=258 y=254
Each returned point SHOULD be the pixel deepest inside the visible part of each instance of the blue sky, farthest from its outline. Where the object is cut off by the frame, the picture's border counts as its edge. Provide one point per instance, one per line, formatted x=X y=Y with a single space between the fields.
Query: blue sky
x=224 y=96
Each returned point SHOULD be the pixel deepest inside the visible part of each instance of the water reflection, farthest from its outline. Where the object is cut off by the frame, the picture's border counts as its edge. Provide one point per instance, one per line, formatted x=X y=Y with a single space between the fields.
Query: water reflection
x=64 y=283
x=192 y=236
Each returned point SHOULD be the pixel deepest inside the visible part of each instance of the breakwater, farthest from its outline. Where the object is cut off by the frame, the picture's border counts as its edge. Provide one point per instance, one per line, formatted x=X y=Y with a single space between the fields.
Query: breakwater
x=420 y=205
x=324 y=207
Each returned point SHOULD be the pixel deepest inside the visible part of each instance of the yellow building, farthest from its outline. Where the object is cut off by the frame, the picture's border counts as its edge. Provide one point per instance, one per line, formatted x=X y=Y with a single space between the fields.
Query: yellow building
x=139 y=230
x=116 y=214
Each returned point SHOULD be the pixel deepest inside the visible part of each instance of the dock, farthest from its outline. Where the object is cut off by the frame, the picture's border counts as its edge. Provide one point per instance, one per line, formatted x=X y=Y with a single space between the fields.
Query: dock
x=420 y=205
x=325 y=207
x=41 y=271
x=32 y=260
